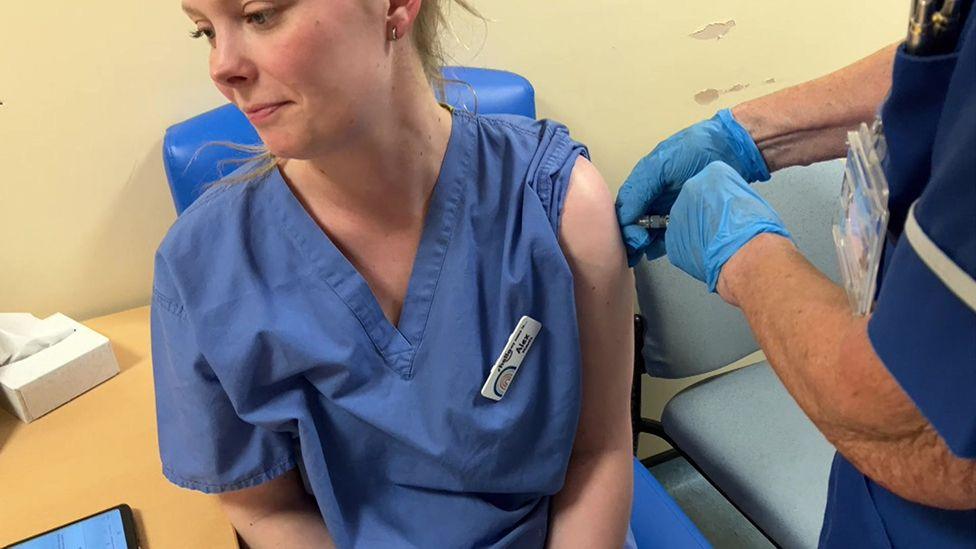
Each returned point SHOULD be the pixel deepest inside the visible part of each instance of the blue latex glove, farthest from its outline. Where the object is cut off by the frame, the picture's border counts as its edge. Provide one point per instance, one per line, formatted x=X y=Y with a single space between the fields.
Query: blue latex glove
x=657 y=178
x=715 y=215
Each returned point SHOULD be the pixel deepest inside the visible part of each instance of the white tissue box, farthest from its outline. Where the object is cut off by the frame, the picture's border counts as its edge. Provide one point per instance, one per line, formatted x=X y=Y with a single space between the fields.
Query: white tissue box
x=39 y=383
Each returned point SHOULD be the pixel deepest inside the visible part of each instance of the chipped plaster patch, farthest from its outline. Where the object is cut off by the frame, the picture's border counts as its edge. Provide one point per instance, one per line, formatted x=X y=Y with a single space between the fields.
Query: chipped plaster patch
x=708 y=95
x=705 y=97
x=713 y=31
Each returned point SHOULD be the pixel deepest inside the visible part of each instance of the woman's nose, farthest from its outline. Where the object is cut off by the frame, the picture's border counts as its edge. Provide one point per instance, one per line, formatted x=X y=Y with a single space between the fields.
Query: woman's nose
x=229 y=66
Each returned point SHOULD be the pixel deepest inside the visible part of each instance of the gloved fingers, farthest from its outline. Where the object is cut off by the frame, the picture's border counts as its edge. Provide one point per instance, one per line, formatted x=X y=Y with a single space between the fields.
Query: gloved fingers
x=636 y=240
x=716 y=177
x=643 y=185
x=640 y=243
x=662 y=204
x=656 y=248
x=716 y=214
x=697 y=212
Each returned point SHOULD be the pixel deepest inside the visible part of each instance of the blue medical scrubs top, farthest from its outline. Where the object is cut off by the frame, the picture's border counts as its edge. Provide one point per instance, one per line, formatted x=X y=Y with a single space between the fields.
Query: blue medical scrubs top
x=924 y=324
x=265 y=338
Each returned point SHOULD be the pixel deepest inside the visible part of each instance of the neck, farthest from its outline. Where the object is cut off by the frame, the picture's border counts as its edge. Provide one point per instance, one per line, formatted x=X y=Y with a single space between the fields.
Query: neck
x=390 y=164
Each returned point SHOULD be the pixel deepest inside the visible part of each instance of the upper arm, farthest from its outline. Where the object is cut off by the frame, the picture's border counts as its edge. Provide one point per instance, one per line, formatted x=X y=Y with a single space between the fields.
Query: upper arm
x=248 y=506
x=275 y=513
x=254 y=502
x=603 y=287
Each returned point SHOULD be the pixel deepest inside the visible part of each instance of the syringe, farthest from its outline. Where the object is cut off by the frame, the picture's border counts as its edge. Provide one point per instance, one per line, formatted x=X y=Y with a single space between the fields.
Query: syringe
x=659 y=222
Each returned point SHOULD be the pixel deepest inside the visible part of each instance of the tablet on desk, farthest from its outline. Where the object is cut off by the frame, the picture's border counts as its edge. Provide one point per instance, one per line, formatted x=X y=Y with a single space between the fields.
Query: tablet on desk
x=109 y=529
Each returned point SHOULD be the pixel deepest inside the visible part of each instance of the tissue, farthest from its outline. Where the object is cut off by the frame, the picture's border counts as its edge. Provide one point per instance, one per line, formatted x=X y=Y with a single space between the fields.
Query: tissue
x=23 y=334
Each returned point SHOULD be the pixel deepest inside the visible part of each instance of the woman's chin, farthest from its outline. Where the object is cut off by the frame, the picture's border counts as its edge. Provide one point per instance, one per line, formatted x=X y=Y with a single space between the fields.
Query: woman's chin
x=303 y=145
x=282 y=147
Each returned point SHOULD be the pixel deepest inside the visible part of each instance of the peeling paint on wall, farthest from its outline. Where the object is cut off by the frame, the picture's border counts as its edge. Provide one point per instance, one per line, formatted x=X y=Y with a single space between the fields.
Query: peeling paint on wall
x=708 y=95
x=713 y=31
x=705 y=97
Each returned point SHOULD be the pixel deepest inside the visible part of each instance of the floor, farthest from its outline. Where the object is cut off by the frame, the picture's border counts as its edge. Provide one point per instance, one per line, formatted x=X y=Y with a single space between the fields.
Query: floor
x=721 y=524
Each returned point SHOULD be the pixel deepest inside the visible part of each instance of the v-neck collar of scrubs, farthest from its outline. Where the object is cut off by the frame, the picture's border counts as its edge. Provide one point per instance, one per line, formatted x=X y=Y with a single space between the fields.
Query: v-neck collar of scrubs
x=397 y=344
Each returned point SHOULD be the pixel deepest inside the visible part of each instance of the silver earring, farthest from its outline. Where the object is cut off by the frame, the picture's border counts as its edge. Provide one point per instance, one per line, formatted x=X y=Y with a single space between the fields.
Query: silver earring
x=394 y=34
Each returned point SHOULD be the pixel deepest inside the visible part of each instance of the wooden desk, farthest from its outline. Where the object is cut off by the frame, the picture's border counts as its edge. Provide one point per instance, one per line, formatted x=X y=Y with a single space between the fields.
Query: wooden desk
x=100 y=450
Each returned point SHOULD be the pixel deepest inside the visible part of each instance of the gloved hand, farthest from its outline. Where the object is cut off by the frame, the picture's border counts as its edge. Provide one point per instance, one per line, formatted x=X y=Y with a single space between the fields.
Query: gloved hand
x=715 y=215
x=657 y=178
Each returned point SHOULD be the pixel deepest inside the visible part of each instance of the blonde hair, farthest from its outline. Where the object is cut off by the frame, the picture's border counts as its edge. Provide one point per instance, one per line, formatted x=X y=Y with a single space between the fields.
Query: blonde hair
x=426 y=37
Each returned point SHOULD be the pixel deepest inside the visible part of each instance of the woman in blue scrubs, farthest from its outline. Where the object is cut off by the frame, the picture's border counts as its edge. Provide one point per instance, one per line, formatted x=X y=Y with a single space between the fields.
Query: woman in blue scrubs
x=428 y=309
x=894 y=391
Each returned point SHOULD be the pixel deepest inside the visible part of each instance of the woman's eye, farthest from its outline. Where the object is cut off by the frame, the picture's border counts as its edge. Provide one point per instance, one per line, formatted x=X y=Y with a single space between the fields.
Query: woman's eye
x=200 y=33
x=259 y=18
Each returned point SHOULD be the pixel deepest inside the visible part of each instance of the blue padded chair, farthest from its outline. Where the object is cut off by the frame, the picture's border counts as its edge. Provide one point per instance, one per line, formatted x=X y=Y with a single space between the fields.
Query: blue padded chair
x=742 y=430
x=656 y=520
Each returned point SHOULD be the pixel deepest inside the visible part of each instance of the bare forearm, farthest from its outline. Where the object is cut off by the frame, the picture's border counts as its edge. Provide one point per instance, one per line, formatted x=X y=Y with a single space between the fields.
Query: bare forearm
x=822 y=354
x=800 y=320
x=593 y=508
x=808 y=123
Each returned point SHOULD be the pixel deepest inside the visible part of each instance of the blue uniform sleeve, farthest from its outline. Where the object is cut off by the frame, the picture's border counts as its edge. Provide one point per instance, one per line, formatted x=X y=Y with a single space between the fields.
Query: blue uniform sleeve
x=552 y=166
x=204 y=445
x=924 y=325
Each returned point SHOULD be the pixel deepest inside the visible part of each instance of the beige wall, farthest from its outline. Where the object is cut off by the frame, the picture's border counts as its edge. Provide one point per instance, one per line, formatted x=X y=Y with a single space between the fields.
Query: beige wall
x=623 y=74
x=89 y=87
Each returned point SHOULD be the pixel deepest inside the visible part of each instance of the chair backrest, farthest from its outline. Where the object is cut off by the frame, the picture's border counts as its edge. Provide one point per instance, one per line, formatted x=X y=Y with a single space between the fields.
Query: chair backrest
x=191 y=164
x=689 y=331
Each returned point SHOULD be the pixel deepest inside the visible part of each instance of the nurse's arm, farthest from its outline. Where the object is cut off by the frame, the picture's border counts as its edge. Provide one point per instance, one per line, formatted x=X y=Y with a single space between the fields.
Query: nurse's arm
x=823 y=356
x=808 y=122
x=593 y=507
x=277 y=513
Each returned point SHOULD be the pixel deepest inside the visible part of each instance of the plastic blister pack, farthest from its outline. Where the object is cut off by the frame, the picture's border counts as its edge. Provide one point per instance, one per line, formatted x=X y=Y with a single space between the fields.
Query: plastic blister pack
x=862 y=220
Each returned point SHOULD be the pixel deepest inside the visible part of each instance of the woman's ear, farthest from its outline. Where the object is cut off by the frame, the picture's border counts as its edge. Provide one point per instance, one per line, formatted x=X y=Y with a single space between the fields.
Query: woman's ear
x=400 y=17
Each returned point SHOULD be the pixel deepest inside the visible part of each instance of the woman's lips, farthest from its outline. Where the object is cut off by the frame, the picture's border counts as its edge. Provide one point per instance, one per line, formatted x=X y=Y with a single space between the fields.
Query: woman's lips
x=261 y=113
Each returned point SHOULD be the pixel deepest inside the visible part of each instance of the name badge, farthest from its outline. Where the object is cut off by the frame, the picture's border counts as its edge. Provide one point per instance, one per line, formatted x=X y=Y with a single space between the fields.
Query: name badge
x=503 y=372
x=862 y=223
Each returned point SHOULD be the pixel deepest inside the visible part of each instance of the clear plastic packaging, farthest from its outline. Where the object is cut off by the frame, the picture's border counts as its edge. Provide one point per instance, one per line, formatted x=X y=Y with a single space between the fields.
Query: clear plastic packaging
x=862 y=222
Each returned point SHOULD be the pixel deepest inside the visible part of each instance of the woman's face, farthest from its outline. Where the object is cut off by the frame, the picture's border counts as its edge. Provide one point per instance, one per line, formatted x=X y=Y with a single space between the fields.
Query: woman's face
x=303 y=71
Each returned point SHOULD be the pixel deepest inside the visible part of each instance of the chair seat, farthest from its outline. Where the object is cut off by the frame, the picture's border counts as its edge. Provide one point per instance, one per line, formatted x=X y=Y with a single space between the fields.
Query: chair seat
x=749 y=436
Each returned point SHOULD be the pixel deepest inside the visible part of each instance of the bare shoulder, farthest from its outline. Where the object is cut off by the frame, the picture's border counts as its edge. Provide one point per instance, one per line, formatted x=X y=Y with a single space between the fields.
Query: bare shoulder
x=588 y=230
